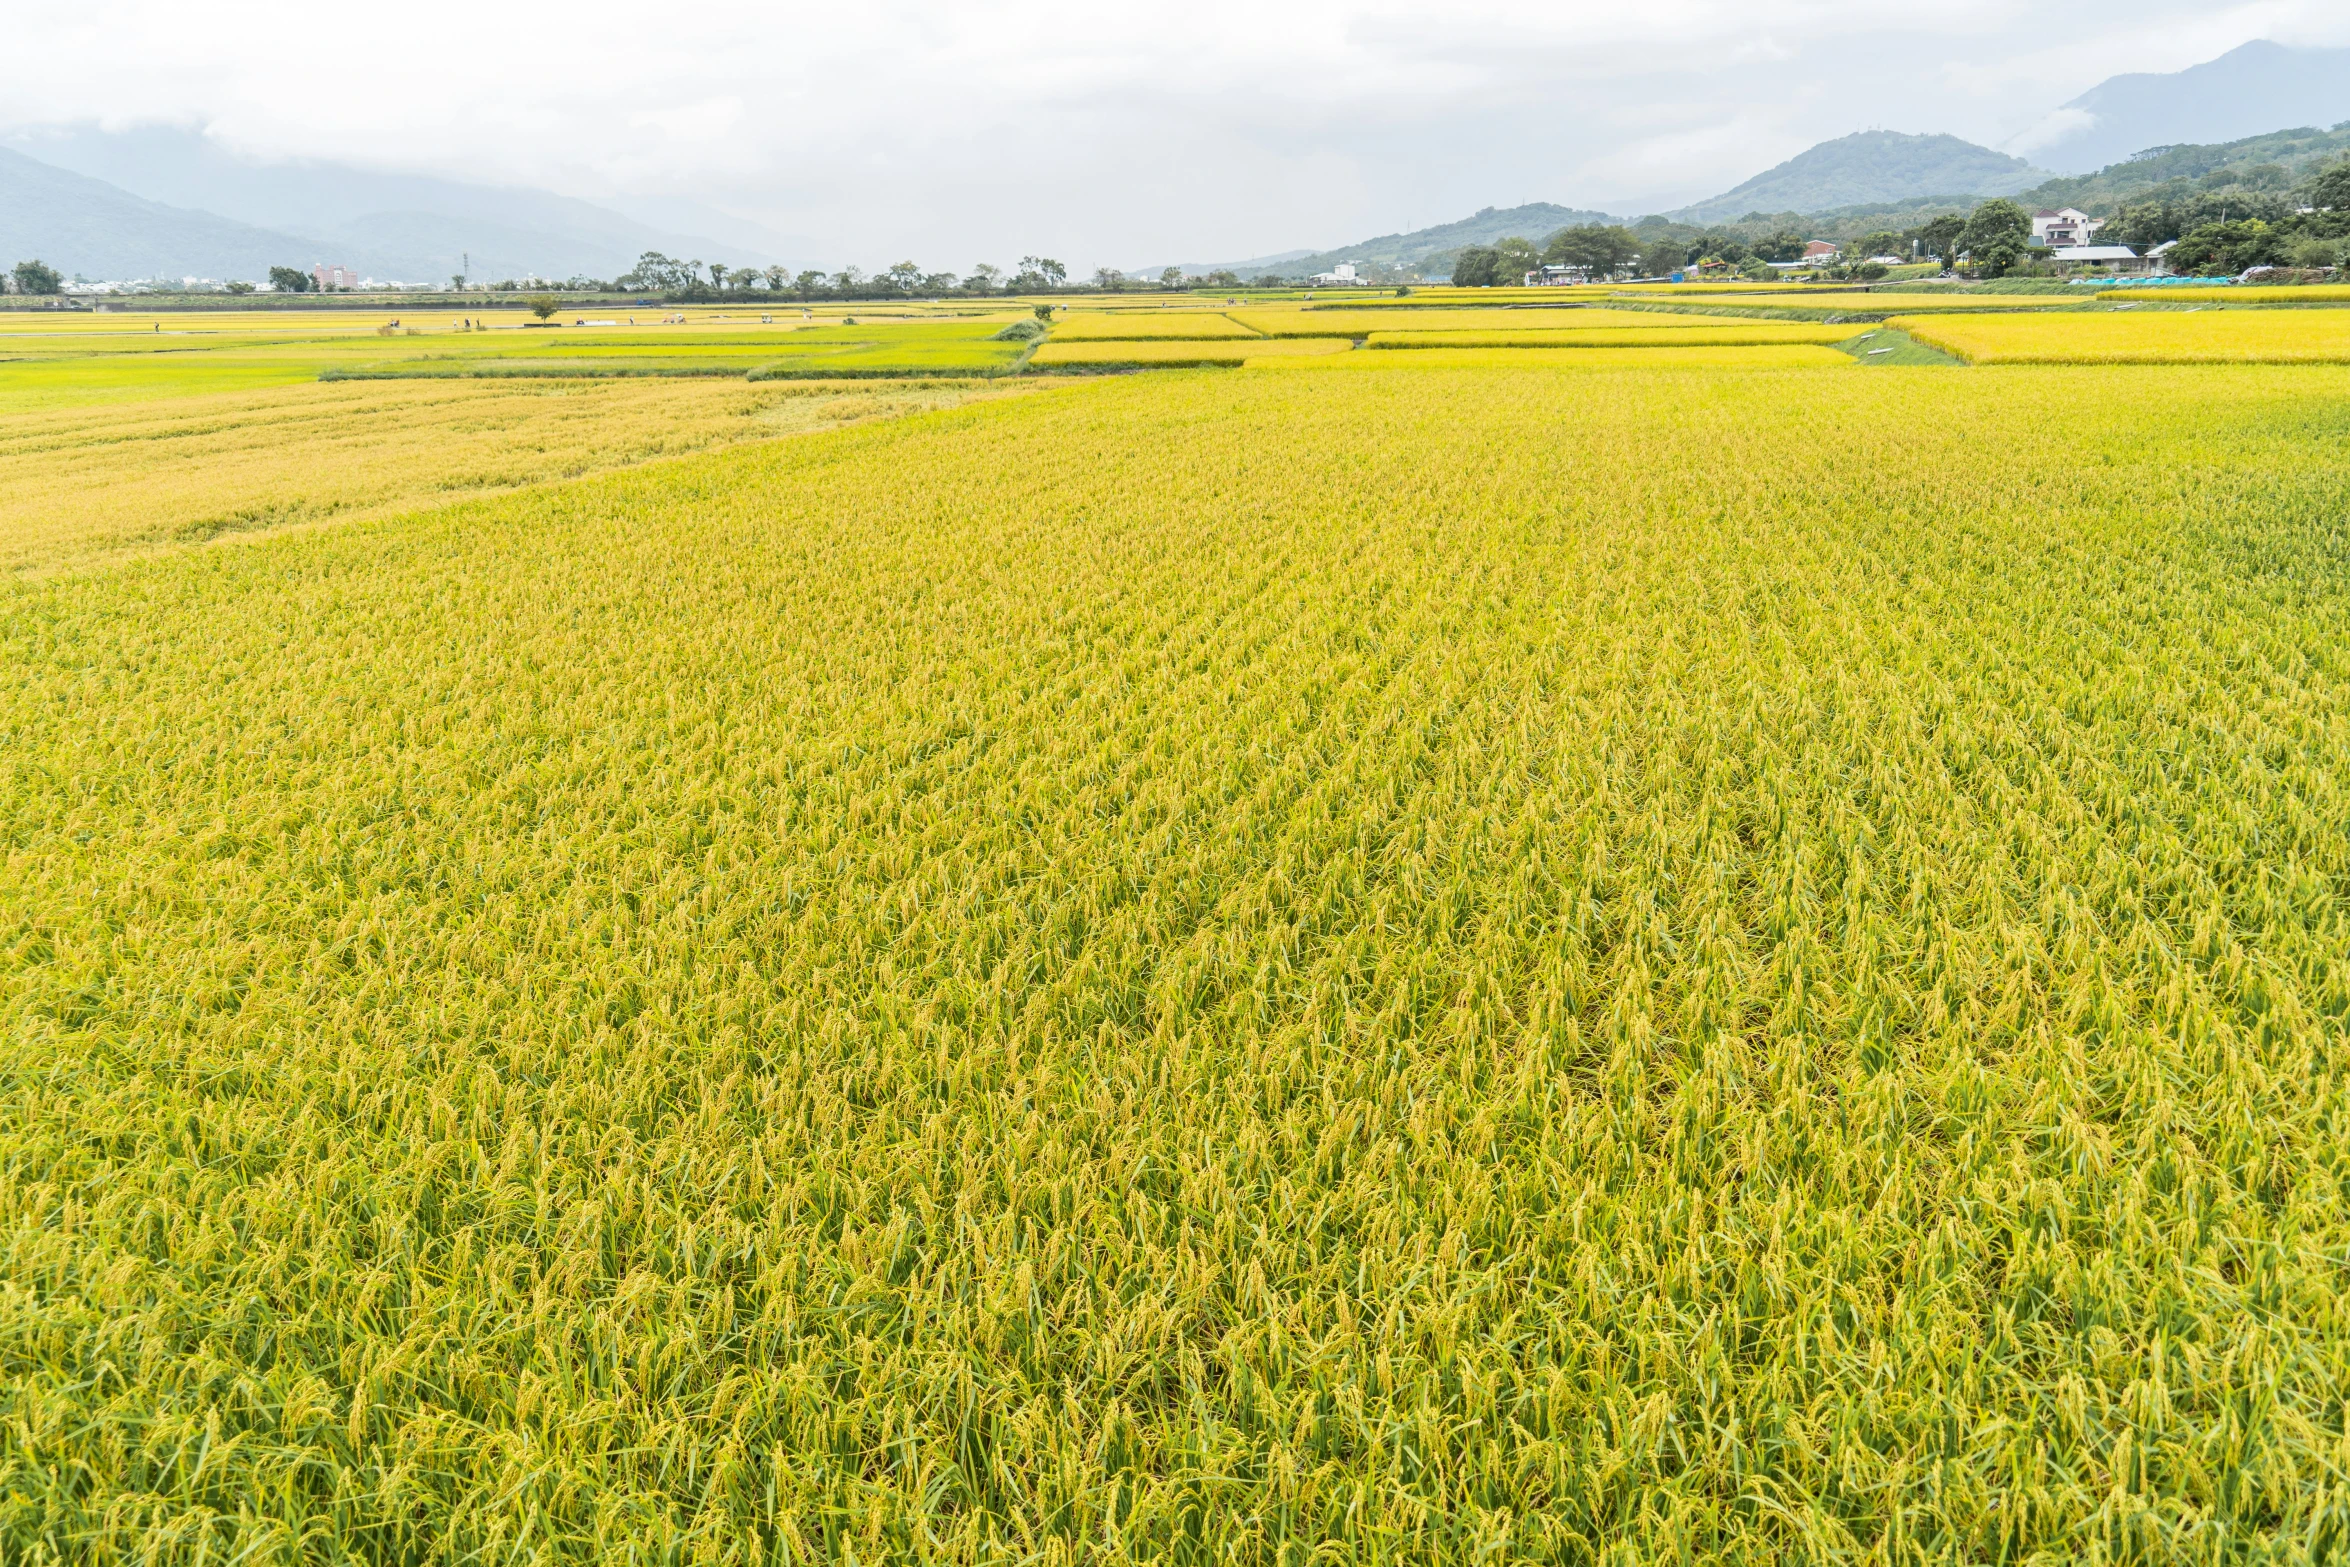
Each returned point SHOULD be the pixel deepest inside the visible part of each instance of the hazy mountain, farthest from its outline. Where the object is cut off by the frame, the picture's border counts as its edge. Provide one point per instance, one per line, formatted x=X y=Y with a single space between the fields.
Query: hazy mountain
x=1247 y=269
x=1536 y=221
x=86 y=226
x=1869 y=167
x=2242 y=93
x=411 y=226
x=2252 y=163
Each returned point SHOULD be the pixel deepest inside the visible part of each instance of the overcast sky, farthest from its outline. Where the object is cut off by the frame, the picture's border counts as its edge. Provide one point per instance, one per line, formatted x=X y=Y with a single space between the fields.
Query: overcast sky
x=1103 y=133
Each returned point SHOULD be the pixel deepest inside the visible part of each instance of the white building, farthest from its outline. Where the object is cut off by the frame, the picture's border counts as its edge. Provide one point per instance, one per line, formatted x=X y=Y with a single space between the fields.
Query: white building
x=1344 y=272
x=2116 y=258
x=2064 y=228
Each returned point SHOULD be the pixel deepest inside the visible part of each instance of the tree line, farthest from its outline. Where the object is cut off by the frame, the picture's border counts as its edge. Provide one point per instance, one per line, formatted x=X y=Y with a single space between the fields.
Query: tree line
x=2217 y=230
x=697 y=280
x=35 y=277
x=2229 y=229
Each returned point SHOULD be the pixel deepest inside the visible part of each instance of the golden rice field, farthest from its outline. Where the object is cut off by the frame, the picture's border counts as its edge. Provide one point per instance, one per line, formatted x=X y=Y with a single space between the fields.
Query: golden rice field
x=1084 y=326
x=2152 y=337
x=81 y=484
x=1888 y=300
x=1197 y=351
x=1602 y=955
x=2302 y=294
x=1683 y=332
x=1662 y=353
x=51 y=362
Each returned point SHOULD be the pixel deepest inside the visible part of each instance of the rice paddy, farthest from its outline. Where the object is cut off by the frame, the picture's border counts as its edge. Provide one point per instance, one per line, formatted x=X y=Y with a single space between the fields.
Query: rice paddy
x=1146 y=326
x=2149 y=337
x=1657 y=952
x=82 y=484
x=1171 y=352
x=1693 y=332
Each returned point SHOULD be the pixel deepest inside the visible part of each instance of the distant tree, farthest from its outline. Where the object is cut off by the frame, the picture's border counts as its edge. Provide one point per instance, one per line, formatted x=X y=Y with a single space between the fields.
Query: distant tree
x=717 y=274
x=1108 y=279
x=2218 y=249
x=1602 y=249
x=456 y=280
x=808 y=284
x=238 y=286
x=1664 y=257
x=1271 y=280
x=2330 y=192
x=847 y=280
x=1997 y=234
x=1044 y=313
x=935 y=283
x=1880 y=242
x=38 y=277
x=1050 y=272
x=778 y=279
x=1940 y=238
x=2143 y=223
x=290 y=280
x=1477 y=266
x=656 y=271
x=543 y=306
x=1517 y=257
x=905 y=277
x=1172 y=277
x=983 y=278
x=2315 y=254
x=1224 y=279
x=1781 y=245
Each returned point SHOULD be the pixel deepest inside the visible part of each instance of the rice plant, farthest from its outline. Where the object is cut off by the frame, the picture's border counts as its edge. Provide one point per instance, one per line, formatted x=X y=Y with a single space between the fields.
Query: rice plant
x=1528 y=960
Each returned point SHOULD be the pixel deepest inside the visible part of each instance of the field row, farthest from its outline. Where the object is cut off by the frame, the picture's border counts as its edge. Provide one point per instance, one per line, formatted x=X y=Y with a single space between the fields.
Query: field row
x=2144 y=337
x=84 y=484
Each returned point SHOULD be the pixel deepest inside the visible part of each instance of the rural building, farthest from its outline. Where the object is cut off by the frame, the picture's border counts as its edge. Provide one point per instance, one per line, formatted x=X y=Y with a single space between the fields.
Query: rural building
x=2114 y=258
x=1557 y=277
x=326 y=277
x=1342 y=273
x=2064 y=228
x=1820 y=253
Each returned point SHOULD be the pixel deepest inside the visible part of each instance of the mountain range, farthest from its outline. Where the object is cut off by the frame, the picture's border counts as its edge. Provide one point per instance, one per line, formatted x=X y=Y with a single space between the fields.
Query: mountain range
x=2244 y=92
x=2195 y=122
x=166 y=202
x=1407 y=250
x=1869 y=166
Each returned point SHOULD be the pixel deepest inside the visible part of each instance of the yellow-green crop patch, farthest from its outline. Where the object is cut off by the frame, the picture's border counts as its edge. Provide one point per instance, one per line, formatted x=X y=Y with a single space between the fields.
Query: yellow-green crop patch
x=1586 y=956
x=2234 y=294
x=1889 y=301
x=1692 y=332
x=2143 y=337
x=1197 y=351
x=1082 y=326
x=1659 y=354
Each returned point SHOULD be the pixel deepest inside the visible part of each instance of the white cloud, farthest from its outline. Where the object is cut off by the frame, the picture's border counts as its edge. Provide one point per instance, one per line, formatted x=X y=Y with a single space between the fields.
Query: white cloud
x=2048 y=130
x=1115 y=135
